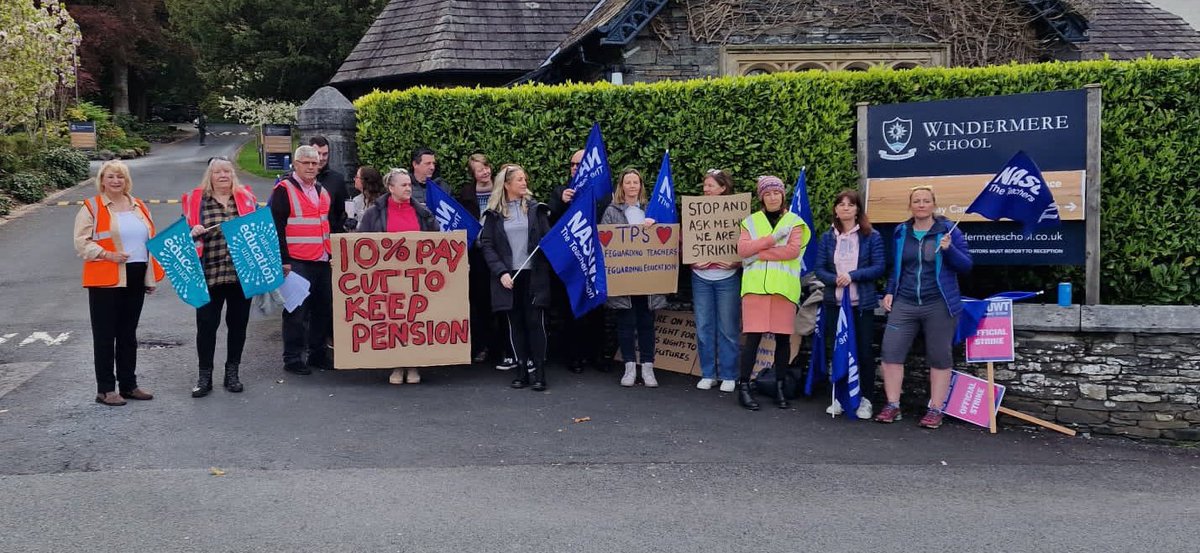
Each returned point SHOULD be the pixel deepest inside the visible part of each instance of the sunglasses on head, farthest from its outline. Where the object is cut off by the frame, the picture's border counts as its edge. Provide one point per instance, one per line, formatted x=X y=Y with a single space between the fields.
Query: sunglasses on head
x=217 y=158
x=921 y=187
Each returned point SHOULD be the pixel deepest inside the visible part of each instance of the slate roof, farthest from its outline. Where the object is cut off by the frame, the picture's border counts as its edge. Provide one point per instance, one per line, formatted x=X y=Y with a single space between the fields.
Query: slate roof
x=412 y=37
x=1131 y=29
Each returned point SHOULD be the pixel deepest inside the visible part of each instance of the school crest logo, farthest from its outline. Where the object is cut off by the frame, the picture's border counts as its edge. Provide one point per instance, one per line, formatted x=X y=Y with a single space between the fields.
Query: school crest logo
x=896 y=134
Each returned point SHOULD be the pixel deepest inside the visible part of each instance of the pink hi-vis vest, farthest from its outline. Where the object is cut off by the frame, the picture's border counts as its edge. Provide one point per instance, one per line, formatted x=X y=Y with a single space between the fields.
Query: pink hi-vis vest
x=307 y=230
x=192 y=202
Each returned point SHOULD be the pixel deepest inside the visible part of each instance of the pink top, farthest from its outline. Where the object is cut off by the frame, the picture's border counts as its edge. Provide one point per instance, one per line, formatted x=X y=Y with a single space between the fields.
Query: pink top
x=401 y=217
x=774 y=313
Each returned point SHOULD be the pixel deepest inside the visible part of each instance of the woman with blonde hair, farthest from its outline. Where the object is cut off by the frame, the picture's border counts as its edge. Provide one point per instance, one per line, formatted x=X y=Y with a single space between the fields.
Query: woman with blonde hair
x=513 y=226
x=111 y=230
x=635 y=314
x=219 y=198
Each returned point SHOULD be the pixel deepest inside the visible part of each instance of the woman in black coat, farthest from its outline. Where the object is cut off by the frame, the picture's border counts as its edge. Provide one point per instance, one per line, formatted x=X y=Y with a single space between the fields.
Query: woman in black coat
x=514 y=225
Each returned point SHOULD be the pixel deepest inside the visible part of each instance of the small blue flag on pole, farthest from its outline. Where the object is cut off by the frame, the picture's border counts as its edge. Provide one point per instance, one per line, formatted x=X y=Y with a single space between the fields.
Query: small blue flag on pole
x=593 y=168
x=662 y=203
x=1018 y=192
x=254 y=248
x=816 y=361
x=450 y=214
x=175 y=251
x=974 y=310
x=801 y=207
x=844 y=373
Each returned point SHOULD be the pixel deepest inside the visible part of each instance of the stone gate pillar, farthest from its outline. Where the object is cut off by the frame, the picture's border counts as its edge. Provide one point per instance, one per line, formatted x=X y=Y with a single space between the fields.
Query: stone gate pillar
x=328 y=113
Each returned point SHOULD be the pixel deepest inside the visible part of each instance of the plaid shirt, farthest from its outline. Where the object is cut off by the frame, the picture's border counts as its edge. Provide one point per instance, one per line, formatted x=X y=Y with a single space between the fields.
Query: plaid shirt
x=218 y=266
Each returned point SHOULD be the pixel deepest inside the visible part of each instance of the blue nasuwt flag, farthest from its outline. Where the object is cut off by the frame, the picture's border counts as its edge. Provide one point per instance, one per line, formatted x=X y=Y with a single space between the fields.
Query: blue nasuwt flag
x=662 y=203
x=254 y=248
x=573 y=248
x=816 y=361
x=1018 y=192
x=593 y=168
x=844 y=373
x=973 y=310
x=449 y=213
x=801 y=207
x=175 y=251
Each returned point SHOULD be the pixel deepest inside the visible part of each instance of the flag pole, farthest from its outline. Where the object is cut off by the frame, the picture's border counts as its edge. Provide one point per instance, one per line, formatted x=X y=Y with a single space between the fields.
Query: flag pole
x=832 y=396
x=526 y=262
x=991 y=397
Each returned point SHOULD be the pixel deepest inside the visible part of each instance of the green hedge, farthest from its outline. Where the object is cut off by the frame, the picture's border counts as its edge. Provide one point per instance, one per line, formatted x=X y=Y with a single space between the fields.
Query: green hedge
x=777 y=123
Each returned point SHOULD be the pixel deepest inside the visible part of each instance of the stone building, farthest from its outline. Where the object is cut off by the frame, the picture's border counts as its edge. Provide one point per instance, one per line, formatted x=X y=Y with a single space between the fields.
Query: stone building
x=458 y=42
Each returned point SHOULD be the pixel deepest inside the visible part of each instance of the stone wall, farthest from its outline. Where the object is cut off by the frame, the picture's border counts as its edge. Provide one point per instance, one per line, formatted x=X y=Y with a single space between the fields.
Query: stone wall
x=1122 y=370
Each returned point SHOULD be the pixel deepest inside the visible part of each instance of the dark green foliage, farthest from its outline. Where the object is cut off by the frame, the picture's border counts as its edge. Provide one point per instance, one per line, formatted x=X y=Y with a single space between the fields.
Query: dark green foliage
x=776 y=124
x=25 y=186
x=64 y=166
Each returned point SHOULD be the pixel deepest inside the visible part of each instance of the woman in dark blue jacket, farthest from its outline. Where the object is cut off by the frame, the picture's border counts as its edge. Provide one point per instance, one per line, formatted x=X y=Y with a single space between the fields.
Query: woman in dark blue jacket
x=922 y=294
x=850 y=259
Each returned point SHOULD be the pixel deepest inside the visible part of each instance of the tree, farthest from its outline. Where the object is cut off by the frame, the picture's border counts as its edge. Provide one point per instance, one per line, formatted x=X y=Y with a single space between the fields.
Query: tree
x=282 y=49
x=38 y=42
x=123 y=43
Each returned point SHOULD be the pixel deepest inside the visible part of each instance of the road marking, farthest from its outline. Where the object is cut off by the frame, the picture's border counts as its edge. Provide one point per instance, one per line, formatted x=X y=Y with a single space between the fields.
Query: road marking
x=45 y=338
x=13 y=375
x=7 y=337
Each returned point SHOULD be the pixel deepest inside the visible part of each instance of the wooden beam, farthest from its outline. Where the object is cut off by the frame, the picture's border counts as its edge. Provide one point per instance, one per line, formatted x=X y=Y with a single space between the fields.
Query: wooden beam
x=1037 y=421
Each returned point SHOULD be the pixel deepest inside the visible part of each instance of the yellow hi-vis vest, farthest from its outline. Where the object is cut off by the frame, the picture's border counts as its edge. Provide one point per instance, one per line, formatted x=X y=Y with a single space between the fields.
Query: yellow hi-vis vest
x=773 y=277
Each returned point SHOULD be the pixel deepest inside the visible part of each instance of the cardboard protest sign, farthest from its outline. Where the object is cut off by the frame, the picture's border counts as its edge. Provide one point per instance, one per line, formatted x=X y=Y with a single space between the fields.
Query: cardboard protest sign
x=765 y=357
x=711 y=225
x=993 y=340
x=966 y=398
x=640 y=259
x=400 y=300
x=674 y=342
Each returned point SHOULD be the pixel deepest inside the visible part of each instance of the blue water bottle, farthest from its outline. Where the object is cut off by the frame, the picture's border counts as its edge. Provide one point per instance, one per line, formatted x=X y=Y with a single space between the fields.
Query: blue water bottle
x=1064 y=294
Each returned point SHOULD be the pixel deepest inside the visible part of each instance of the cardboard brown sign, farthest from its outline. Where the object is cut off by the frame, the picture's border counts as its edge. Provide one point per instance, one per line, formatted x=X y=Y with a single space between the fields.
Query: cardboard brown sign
x=400 y=300
x=887 y=199
x=640 y=259
x=675 y=342
x=711 y=225
x=765 y=356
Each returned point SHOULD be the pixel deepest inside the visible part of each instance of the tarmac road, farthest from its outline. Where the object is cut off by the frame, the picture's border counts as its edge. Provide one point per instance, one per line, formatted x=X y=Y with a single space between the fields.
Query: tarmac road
x=343 y=461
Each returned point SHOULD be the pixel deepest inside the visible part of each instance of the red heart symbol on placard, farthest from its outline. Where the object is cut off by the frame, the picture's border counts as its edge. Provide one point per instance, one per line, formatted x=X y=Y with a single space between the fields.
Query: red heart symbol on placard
x=605 y=237
x=664 y=234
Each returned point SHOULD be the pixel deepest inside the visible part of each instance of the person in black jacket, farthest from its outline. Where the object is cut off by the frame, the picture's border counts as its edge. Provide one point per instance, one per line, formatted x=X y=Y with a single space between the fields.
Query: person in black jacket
x=333 y=182
x=489 y=331
x=592 y=323
x=423 y=170
x=514 y=224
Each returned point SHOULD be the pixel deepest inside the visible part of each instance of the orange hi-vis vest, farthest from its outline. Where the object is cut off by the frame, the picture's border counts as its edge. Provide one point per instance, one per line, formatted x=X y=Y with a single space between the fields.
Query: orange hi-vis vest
x=100 y=273
x=307 y=230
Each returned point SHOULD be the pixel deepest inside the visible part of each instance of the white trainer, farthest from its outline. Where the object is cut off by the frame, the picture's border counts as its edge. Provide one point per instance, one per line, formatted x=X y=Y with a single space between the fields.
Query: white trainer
x=864 y=409
x=706 y=383
x=648 y=375
x=397 y=377
x=834 y=408
x=728 y=386
x=630 y=374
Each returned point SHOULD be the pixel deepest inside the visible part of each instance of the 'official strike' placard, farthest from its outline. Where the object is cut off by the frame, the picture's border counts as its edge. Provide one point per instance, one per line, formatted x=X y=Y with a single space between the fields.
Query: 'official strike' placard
x=400 y=300
x=711 y=225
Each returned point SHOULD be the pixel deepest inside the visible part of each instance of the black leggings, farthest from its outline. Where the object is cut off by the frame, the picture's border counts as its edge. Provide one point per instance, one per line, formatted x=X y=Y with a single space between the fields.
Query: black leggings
x=208 y=319
x=526 y=325
x=115 y=313
x=783 y=348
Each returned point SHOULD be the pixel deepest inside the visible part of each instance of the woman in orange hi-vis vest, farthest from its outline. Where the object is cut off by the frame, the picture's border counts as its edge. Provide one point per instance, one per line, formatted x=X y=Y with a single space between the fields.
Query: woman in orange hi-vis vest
x=111 y=230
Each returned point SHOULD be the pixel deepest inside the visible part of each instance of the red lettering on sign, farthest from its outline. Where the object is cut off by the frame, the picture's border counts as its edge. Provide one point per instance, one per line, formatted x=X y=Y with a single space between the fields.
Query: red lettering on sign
x=345 y=283
x=359 y=334
x=354 y=309
x=366 y=253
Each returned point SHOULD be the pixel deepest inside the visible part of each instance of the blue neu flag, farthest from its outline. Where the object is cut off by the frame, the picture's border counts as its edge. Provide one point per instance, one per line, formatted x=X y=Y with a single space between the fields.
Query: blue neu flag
x=254 y=248
x=572 y=246
x=816 y=361
x=801 y=207
x=844 y=375
x=1018 y=192
x=662 y=202
x=973 y=310
x=449 y=213
x=175 y=251
x=593 y=168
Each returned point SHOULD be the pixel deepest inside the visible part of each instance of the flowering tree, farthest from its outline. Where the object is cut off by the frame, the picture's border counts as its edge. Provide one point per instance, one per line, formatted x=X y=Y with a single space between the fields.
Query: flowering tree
x=257 y=113
x=38 y=42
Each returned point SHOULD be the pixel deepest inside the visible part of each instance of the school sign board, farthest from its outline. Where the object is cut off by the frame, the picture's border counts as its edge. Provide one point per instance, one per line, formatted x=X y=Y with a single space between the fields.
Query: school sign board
x=958 y=145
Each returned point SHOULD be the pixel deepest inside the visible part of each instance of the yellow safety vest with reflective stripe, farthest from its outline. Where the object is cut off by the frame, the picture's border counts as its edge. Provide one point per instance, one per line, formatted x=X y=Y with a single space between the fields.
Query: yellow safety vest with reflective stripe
x=773 y=277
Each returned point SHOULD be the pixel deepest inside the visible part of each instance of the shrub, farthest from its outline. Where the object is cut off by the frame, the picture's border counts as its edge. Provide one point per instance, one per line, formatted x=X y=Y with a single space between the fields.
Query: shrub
x=25 y=186
x=64 y=166
x=777 y=123
x=6 y=205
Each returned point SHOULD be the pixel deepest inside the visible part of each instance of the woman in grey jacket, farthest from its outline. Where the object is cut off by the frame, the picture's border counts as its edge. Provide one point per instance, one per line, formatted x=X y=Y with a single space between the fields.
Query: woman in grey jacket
x=635 y=314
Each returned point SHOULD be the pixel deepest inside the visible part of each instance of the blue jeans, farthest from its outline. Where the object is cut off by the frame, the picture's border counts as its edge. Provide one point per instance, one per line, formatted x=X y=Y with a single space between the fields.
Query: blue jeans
x=718 y=308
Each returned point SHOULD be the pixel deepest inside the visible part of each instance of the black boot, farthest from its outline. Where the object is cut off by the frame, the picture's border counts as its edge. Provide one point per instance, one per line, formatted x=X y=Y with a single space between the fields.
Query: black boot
x=745 y=397
x=780 y=399
x=539 y=377
x=522 y=379
x=232 y=383
x=203 y=383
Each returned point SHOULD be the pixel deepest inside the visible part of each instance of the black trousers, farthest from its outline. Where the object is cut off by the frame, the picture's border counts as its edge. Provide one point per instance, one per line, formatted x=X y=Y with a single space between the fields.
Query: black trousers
x=527 y=325
x=309 y=325
x=783 y=349
x=115 y=313
x=489 y=330
x=208 y=319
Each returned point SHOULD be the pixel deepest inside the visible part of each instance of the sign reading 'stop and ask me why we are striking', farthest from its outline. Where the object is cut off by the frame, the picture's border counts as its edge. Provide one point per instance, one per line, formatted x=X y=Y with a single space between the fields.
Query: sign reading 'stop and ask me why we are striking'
x=957 y=146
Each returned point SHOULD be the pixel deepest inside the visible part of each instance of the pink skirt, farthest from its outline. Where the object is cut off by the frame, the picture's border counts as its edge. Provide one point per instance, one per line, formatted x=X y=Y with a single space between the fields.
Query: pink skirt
x=774 y=313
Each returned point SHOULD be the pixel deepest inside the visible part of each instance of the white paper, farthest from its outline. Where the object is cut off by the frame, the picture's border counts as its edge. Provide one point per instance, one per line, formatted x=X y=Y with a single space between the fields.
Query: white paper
x=294 y=291
x=351 y=209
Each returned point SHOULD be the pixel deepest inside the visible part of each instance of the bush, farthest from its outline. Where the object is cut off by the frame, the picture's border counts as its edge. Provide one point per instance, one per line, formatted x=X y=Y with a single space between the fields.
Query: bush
x=775 y=124
x=6 y=205
x=25 y=186
x=64 y=166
